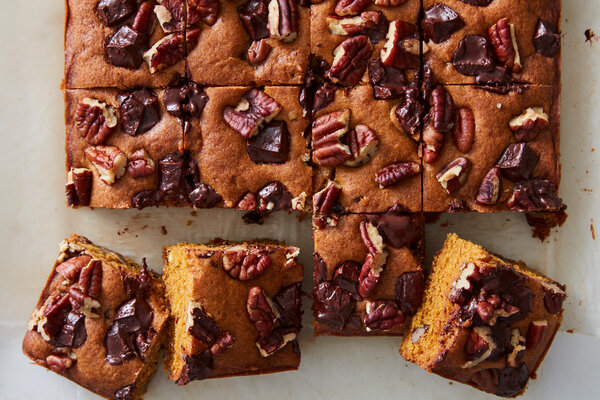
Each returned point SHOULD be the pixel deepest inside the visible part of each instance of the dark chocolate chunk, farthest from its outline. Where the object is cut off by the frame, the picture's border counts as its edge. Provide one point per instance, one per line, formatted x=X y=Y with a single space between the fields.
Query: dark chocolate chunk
x=474 y=56
x=254 y=17
x=139 y=111
x=171 y=173
x=125 y=393
x=204 y=328
x=73 y=333
x=478 y=3
x=512 y=380
x=517 y=162
x=388 y=82
x=274 y=341
x=270 y=145
x=499 y=76
x=376 y=33
x=324 y=95
x=409 y=291
x=197 y=366
x=534 y=195
x=410 y=112
x=185 y=102
x=145 y=198
x=546 y=39
x=133 y=318
x=441 y=22
x=332 y=305
x=553 y=300
x=346 y=278
x=125 y=48
x=397 y=230
x=289 y=304
x=274 y=197
x=320 y=272
x=112 y=12
x=204 y=196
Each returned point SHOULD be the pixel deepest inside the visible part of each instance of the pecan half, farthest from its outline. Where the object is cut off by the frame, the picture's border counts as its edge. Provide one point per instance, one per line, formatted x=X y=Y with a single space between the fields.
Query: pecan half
x=140 y=164
x=502 y=36
x=382 y=315
x=205 y=10
x=370 y=273
x=433 y=141
x=402 y=47
x=110 y=162
x=90 y=279
x=254 y=109
x=258 y=51
x=142 y=22
x=453 y=175
x=395 y=173
x=371 y=238
x=327 y=132
x=325 y=201
x=83 y=303
x=352 y=25
x=71 y=268
x=244 y=264
x=169 y=50
x=261 y=311
x=527 y=125
x=350 y=60
x=224 y=341
x=363 y=143
x=79 y=187
x=59 y=362
x=283 y=20
x=442 y=110
x=463 y=131
x=351 y=7
x=489 y=191
x=95 y=120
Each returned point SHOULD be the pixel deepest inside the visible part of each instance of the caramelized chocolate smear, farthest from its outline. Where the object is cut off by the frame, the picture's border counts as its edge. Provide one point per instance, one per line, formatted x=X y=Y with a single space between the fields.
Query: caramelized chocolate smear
x=186 y=102
x=204 y=327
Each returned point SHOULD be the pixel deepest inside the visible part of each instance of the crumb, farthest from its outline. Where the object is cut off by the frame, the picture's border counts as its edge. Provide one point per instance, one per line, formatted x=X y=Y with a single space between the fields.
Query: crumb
x=193 y=213
x=580 y=302
x=450 y=383
x=592 y=229
x=569 y=330
x=445 y=224
x=590 y=35
x=593 y=149
x=189 y=222
x=163 y=230
x=122 y=231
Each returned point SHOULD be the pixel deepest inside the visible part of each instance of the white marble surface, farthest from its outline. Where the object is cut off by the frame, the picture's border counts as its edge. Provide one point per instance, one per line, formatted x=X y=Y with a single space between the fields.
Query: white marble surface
x=34 y=220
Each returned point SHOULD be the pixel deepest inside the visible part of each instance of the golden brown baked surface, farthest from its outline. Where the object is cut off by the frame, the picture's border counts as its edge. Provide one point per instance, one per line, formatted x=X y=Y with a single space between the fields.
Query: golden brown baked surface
x=84 y=328
x=484 y=321
x=210 y=289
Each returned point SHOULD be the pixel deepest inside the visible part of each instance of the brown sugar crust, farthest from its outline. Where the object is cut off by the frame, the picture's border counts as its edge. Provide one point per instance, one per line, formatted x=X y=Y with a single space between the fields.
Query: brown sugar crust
x=91 y=370
x=221 y=152
x=195 y=273
x=440 y=348
x=220 y=57
x=336 y=244
x=85 y=62
x=164 y=138
x=493 y=113
x=523 y=14
x=360 y=191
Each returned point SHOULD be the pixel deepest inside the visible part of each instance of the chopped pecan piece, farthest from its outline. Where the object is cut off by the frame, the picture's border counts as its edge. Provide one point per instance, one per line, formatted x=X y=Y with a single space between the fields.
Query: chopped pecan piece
x=327 y=132
x=205 y=10
x=140 y=164
x=527 y=125
x=258 y=51
x=394 y=173
x=489 y=191
x=351 y=7
x=59 y=362
x=402 y=47
x=276 y=340
x=244 y=264
x=536 y=333
x=406 y=115
x=502 y=36
x=79 y=187
x=95 y=120
x=283 y=20
x=247 y=203
x=516 y=348
x=433 y=142
x=83 y=303
x=363 y=143
x=370 y=273
x=71 y=268
x=110 y=162
x=169 y=50
x=479 y=346
x=389 y=3
x=382 y=315
x=371 y=238
x=352 y=25
x=453 y=175
x=350 y=60
x=170 y=14
x=554 y=295
x=224 y=341
x=254 y=109
x=534 y=195
x=325 y=201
